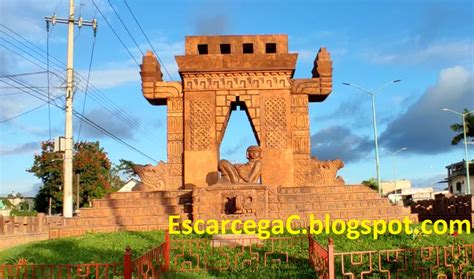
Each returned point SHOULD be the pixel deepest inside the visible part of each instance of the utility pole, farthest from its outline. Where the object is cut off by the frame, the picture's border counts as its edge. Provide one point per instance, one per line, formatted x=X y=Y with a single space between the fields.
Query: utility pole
x=78 y=178
x=68 y=156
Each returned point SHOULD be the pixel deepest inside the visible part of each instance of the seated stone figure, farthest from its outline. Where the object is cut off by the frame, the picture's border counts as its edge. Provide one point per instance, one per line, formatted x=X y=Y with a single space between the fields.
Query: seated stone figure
x=243 y=173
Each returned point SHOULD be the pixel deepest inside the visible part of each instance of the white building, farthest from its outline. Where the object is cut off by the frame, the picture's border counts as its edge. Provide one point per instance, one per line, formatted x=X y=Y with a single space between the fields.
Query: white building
x=129 y=186
x=457 y=180
x=389 y=187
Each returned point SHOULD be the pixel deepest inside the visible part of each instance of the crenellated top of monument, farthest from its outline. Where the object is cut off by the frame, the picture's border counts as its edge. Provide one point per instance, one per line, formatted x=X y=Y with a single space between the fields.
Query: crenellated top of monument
x=231 y=53
x=236 y=44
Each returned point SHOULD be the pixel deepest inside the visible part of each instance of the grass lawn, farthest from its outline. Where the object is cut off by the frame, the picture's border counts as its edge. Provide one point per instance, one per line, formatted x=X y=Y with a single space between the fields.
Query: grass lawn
x=109 y=247
x=91 y=247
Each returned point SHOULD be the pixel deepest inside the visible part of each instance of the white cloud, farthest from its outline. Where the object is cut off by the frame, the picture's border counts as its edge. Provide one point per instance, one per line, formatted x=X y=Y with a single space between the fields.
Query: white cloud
x=439 y=53
x=112 y=77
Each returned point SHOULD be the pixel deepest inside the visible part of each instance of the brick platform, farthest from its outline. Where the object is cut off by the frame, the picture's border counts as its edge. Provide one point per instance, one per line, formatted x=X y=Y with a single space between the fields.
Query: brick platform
x=133 y=211
x=145 y=211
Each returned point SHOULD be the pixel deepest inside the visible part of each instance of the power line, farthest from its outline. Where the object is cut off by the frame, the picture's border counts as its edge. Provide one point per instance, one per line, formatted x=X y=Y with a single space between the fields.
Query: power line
x=90 y=123
x=26 y=46
x=146 y=37
x=57 y=6
x=26 y=74
x=87 y=87
x=99 y=97
x=26 y=58
x=116 y=35
x=28 y=111
x=22 y=89
x=103 y=100
x=25 y=86
x=106 y=132
x=125 y=26
x=47 y=77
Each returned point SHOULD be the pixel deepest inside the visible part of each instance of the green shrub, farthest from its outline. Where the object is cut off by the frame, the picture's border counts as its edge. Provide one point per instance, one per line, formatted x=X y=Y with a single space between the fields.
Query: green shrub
x=16 y=212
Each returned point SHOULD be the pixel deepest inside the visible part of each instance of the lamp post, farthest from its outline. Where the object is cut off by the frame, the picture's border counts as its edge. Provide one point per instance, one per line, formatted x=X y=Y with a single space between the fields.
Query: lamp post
x=463 y=115
x=393 y=164
x=372 y=95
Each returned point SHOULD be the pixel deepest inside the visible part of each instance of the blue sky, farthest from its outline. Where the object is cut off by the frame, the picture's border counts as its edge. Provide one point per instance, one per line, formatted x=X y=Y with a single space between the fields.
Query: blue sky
x=426 y=44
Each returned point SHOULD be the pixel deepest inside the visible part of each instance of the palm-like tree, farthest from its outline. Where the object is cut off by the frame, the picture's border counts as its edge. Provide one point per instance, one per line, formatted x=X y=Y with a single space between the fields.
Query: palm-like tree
x=459 y=128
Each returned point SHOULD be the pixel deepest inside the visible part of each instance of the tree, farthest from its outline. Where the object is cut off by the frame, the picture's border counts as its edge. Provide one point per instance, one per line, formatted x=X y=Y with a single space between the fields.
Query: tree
x=122 y=173
x=91 y=165
x=371 y=183
x=126 y=169
x=458 y=128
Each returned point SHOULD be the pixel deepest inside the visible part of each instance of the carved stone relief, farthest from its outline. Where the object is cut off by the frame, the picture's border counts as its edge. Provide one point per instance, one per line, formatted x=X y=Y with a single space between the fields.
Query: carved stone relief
x=275 y=123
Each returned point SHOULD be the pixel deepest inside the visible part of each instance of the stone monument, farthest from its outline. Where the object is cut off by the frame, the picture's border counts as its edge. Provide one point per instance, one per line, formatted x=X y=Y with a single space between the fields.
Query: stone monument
x=255 y=72
x=219 y=73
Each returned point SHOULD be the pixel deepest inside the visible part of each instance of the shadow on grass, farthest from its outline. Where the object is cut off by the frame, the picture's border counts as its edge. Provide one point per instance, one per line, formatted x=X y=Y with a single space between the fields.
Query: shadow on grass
x=91 y=247
x=64 y=251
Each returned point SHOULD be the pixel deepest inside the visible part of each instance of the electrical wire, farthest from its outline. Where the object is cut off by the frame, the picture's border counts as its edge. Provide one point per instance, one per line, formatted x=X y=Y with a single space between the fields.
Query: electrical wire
x=47 y=78
x=22 y=89
x=89 y=122
x=98 y=96
x=26 y=74
x=106 y=132
x=87 y=88
x=26 y=46
x=102 y=99
x=26 y=112
x=146 y=37
x=125 y=26
x=116 y=35
x=26 y=58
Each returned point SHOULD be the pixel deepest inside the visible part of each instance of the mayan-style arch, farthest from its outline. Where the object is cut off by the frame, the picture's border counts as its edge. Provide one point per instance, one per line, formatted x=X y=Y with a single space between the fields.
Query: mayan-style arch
x=257 y=71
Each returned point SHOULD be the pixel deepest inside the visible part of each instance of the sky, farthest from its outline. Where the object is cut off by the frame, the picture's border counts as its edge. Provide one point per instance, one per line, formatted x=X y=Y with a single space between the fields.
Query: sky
x=428 y=45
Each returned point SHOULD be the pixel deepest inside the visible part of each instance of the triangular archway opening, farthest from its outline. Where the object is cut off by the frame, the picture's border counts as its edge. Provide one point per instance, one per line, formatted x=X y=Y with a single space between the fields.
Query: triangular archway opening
x=239 y=134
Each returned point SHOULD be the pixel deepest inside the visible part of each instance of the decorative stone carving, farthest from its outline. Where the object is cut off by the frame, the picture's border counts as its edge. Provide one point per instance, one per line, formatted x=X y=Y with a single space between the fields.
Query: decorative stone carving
x=237 y=81
x=199 y=108
x=239 y=202
x=275 y=123
x=200 y=124
x=163 y=176
x=242 y=173
x=312 y=172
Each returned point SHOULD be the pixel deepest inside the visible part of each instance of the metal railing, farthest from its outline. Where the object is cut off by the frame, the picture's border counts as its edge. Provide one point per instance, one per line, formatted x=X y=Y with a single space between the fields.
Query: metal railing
x=152 y=264
x=43 y=271
x=452 y=261
x=192 y=255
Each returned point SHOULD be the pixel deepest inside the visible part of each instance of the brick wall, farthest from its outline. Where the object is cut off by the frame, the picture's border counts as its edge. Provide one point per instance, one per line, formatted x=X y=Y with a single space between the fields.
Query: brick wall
x=15 y=230
x=444 y=208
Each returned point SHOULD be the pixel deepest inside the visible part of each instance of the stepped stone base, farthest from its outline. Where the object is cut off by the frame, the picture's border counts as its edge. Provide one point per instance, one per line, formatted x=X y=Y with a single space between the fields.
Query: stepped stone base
x=128 y=211
x=145 y=211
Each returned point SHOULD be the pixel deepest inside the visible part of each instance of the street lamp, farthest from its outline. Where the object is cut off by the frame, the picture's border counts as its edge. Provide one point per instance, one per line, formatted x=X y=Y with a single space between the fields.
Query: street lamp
x=372 y=95
x=393 y=164
x=463 y=115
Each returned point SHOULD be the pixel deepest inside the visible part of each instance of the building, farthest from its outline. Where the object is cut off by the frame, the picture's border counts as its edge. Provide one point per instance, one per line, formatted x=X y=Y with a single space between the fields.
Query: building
x=401 y=192
x=129 y=186
x=7 y=204
x=389 y=187
x=457 y=181
x=408 y=196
